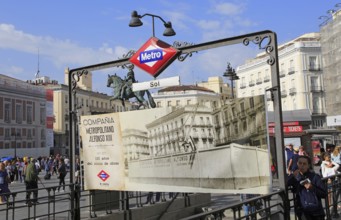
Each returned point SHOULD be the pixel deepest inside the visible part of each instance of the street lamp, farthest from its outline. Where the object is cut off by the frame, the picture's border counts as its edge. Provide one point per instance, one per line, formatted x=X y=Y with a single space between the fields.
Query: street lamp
x=15 y=135
x=136 y=22
x=232 y=75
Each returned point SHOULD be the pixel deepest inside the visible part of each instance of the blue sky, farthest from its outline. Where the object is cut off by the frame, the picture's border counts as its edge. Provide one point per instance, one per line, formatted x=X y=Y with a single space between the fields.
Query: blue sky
x=76 y=33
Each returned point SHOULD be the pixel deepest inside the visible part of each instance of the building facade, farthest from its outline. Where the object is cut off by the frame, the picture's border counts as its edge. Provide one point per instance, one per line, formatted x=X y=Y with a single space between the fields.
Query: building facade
x=301 y=77
x=87 y=102
x=22 y=119
x=183 y=95
x=331 y=44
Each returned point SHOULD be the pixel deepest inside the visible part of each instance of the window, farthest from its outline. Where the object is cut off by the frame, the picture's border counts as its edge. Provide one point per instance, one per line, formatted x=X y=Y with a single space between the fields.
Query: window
x=7 y=134
x=43 y=136
x=314 y=83
x=242 y=107
x=18 y=114
x=244 y=125
x=188 y=102
x=29 y=114
x=42 y=116
x=169 y=103
x=235 y=125
x=87 y=103
x=312 y=63
x=7 y=112
x=29 y=134
x=252 y=103
x=66 y=99
x=316 y=101
x=177 y=102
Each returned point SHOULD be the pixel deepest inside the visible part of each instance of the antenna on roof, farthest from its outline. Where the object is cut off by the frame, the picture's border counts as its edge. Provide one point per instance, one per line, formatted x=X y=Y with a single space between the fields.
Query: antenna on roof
x=37 y=74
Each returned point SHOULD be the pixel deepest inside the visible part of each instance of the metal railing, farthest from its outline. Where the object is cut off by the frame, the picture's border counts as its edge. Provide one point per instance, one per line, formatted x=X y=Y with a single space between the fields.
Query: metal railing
x=55 y=205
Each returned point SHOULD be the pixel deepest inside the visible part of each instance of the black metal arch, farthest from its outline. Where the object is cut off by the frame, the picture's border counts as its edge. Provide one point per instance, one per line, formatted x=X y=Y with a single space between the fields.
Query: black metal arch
x=266 y=40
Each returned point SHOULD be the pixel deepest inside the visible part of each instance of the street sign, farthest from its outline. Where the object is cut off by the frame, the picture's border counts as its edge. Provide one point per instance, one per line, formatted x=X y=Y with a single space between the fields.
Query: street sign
x=159 y=83
x=154 y=56
x=334 y=120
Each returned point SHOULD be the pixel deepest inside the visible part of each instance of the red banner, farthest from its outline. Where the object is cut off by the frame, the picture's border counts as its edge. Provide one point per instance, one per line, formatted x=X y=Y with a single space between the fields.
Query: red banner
x=287 y=129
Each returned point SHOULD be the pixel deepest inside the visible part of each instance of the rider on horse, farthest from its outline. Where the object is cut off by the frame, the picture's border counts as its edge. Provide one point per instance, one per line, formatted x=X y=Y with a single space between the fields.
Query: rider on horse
x=126 y=88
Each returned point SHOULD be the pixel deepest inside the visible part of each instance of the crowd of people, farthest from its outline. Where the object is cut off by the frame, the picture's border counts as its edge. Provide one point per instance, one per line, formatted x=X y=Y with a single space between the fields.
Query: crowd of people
x=26 y=170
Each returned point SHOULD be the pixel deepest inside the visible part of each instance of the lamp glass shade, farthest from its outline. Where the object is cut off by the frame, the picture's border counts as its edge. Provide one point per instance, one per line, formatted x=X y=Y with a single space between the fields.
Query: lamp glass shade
x=135 y=22
x=169 y=30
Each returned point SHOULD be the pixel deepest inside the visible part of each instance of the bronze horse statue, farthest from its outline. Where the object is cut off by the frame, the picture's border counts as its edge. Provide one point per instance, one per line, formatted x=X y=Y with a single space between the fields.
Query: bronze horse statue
x=122 y=89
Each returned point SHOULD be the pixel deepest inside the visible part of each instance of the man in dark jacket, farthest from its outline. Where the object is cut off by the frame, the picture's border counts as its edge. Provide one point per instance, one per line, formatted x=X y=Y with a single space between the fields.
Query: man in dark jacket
x=62 y=173
x=31 y=181
x=308 y=187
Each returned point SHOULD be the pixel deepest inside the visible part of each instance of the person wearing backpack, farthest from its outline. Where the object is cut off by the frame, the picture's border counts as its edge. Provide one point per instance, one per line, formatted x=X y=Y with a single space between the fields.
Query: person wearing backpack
x=309 y=190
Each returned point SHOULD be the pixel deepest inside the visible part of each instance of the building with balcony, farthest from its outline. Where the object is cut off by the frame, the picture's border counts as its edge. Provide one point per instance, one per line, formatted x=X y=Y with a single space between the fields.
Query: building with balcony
x=301 y=77
x=23 y=119
x=183 y=95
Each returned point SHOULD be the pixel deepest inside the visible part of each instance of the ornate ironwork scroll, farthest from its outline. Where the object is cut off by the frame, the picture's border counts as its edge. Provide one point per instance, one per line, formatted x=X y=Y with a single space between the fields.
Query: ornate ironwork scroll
x=263 y=42
x=76 y=77
x=183 y=56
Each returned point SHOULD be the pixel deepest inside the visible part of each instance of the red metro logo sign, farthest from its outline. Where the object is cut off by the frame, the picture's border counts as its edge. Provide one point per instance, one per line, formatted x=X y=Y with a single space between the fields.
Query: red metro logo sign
x=154 y=56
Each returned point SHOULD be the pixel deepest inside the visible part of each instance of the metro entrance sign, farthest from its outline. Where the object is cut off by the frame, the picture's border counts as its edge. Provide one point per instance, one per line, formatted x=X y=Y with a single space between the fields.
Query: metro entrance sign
x=154 y=56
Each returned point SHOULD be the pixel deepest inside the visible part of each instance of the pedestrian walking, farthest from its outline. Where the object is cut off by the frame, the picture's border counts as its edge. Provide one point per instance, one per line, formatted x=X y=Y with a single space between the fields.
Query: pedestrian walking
x=293 y=162
x=31 y=180
x=289 y=151
x=61 y=174
x=4 y=181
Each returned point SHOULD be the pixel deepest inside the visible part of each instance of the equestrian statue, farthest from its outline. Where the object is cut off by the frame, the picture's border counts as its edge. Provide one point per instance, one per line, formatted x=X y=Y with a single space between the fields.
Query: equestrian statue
x=122 y=89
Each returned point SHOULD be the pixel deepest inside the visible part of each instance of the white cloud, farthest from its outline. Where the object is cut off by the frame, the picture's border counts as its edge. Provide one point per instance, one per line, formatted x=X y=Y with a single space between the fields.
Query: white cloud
x=228 y=9
x=61 y=52
x=208 y=25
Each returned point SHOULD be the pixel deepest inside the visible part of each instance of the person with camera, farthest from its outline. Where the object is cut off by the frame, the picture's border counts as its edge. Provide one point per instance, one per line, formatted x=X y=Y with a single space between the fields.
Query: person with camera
x=309 y=190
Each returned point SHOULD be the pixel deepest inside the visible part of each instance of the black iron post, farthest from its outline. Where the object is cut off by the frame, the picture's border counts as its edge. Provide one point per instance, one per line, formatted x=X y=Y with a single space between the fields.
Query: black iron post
x=15 y=135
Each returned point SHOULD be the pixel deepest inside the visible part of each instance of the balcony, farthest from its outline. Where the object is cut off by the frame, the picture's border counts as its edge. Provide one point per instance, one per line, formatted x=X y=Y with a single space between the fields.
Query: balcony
x=282 y=73
x=251 y=83
x=316 y=89
x=314 y=67
x=292 y=91
x=259 y=81
x=291 y=70
x=242 y=85
x=284 y=93
x=318 y=111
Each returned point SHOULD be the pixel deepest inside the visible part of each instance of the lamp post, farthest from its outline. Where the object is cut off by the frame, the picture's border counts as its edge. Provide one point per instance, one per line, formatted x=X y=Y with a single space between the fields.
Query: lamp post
x=136 y=22
x=15 y=135
x=231 y=74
